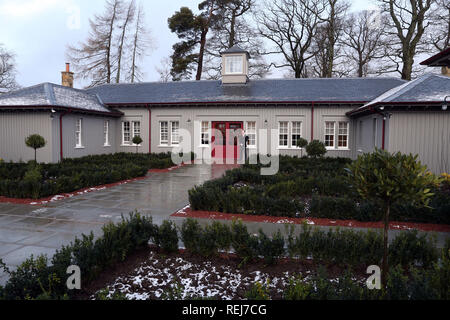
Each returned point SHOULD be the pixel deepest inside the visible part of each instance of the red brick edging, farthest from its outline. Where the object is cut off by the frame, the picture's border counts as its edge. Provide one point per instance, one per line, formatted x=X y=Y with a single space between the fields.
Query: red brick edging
x=61 y=196
x=188 y=213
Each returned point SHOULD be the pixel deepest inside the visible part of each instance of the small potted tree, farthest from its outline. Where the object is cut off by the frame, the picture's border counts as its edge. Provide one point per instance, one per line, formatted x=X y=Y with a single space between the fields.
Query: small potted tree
x=301 y=143
x=316 y=149
x=390 y=178
x=35 y=141
x=137 y=140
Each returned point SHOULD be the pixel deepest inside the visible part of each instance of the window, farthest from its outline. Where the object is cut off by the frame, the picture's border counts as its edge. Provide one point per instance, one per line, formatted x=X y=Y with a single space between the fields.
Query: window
x=136 y=128
x=106 y=133
x=164 y=132
x=329 y=134
x=296 y=132
x=283 y=134
x=251 y=133
x=205 y=133
x=234 y=64
x=343 y=135
x=375 y=133
x=126 y=132
x=175 y=132
x=78 y=128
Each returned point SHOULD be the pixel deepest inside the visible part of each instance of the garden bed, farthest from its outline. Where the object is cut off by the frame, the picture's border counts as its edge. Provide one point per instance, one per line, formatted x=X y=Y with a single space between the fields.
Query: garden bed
x=309 y=189
x=154 y=275
x=43 y=183
x=187 y=212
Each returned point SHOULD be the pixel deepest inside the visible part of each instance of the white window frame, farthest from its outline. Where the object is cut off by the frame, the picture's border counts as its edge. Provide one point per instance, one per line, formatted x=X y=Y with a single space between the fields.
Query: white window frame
x=124 y=142
x=231 y=64
x=347 y=134
x=106 y=133
x=251 y=133
x=298 y=132
x=136 y=130
x=175 y=134
x=286 y=133
x=163 y=142
x=79 y=134
x=205 y=133
x=327 y=133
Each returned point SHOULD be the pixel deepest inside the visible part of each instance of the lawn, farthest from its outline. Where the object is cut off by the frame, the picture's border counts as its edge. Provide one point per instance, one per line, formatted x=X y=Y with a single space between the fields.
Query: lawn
x=34 y=181
x=308 y=188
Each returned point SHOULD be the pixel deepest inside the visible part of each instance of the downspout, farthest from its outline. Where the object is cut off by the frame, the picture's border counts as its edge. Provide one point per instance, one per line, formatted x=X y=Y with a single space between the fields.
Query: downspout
x=149 y=129
x=61 y=134
x=312 y=121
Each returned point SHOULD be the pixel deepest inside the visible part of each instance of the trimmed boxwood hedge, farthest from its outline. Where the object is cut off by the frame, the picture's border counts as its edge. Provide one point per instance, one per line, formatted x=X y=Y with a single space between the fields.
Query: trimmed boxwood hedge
x=306 y=187
x=31 y=180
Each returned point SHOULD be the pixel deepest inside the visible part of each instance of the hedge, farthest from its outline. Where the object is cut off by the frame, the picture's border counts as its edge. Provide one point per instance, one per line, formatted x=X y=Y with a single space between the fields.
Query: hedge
x=314 y=188
x=43 y=278
x=20 y=180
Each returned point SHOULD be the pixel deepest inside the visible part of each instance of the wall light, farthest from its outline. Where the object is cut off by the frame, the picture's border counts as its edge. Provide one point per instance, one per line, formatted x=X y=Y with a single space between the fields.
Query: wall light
x=445 y=105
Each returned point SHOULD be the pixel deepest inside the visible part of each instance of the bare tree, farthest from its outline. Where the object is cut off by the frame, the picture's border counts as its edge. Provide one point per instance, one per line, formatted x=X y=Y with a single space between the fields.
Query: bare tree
x=405 y=28
x=94 y=58
x=326 y=45
x=128 y=19
x=233 y=27
x=363 y=42
x=141 y=44
x=7 y=70
x=164 y=70
x=291 y=26
x=439 y=31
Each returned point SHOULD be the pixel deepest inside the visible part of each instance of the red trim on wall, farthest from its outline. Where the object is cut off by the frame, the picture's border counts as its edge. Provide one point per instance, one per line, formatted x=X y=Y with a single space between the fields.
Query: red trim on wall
x=312 y=121
x=383 y=134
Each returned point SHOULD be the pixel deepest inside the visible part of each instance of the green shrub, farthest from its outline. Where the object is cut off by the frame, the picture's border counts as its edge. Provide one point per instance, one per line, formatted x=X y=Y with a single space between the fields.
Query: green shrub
x=271 y=249
x=316 y=149
x=298 y=289
x=332 y=208
x=243 y=243
x=258 y=292
x=410 y=248
x=167 y=237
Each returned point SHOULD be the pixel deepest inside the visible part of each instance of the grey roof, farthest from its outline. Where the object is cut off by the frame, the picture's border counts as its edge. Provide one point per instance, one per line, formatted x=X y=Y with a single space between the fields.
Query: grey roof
x=52 y=95
x=428 y=88
x=266 y=90
x=236 y=49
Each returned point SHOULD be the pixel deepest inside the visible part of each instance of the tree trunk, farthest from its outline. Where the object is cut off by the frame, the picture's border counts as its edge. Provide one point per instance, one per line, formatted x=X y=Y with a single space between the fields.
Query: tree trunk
x=35 y=158
x=408 y=62
x=385 y=267
x=232 y=30
x=201 y=54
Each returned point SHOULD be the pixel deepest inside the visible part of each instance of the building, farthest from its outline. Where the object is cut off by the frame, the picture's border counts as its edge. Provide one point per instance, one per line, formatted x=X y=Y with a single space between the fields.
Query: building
x=350 y=115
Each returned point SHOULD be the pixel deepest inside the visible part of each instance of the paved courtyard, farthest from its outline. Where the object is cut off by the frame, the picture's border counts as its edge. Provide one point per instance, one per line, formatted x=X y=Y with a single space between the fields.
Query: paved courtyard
x=26 y=229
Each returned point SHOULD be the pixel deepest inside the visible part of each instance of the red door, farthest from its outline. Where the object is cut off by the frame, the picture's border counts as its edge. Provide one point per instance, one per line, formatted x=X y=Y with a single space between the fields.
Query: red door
x=225 y=139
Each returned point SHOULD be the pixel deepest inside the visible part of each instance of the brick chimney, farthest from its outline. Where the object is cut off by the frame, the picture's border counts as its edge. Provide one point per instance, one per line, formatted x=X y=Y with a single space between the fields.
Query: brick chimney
x=446 y=71
x=67 y=77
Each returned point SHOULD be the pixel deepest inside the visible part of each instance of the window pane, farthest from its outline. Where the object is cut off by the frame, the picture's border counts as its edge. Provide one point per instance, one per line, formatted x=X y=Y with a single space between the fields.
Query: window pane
x=251 y=133
x=329 y=134
x=234 y=64
x=175 y=132
x=126 y=132
x=136 y=128
x=296 y=132
x=343 y=135
x=106 y=132
x=164 y=132
x=284 y=132
x=205 y=133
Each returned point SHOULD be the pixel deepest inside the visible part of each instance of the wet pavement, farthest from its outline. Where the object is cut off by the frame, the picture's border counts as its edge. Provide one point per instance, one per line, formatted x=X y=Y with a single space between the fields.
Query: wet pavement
x=26 y=229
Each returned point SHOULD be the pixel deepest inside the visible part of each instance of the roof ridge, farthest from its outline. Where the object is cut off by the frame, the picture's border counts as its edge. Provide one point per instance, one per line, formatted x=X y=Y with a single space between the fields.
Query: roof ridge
x=49 y=93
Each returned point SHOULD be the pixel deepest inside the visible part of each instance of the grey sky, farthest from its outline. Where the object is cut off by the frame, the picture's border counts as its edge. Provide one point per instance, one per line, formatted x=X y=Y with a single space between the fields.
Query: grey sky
x=37 y=31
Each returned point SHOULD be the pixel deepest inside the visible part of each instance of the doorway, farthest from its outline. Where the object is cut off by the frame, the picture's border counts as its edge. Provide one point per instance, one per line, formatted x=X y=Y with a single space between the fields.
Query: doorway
x=225 y=139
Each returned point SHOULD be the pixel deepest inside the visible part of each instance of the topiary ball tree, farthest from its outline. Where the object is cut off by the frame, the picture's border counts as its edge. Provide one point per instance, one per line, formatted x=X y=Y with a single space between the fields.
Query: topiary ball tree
x=390 y=178
x=316 y=149
x=137 y=140
x=35 y=141
x=301 y=143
